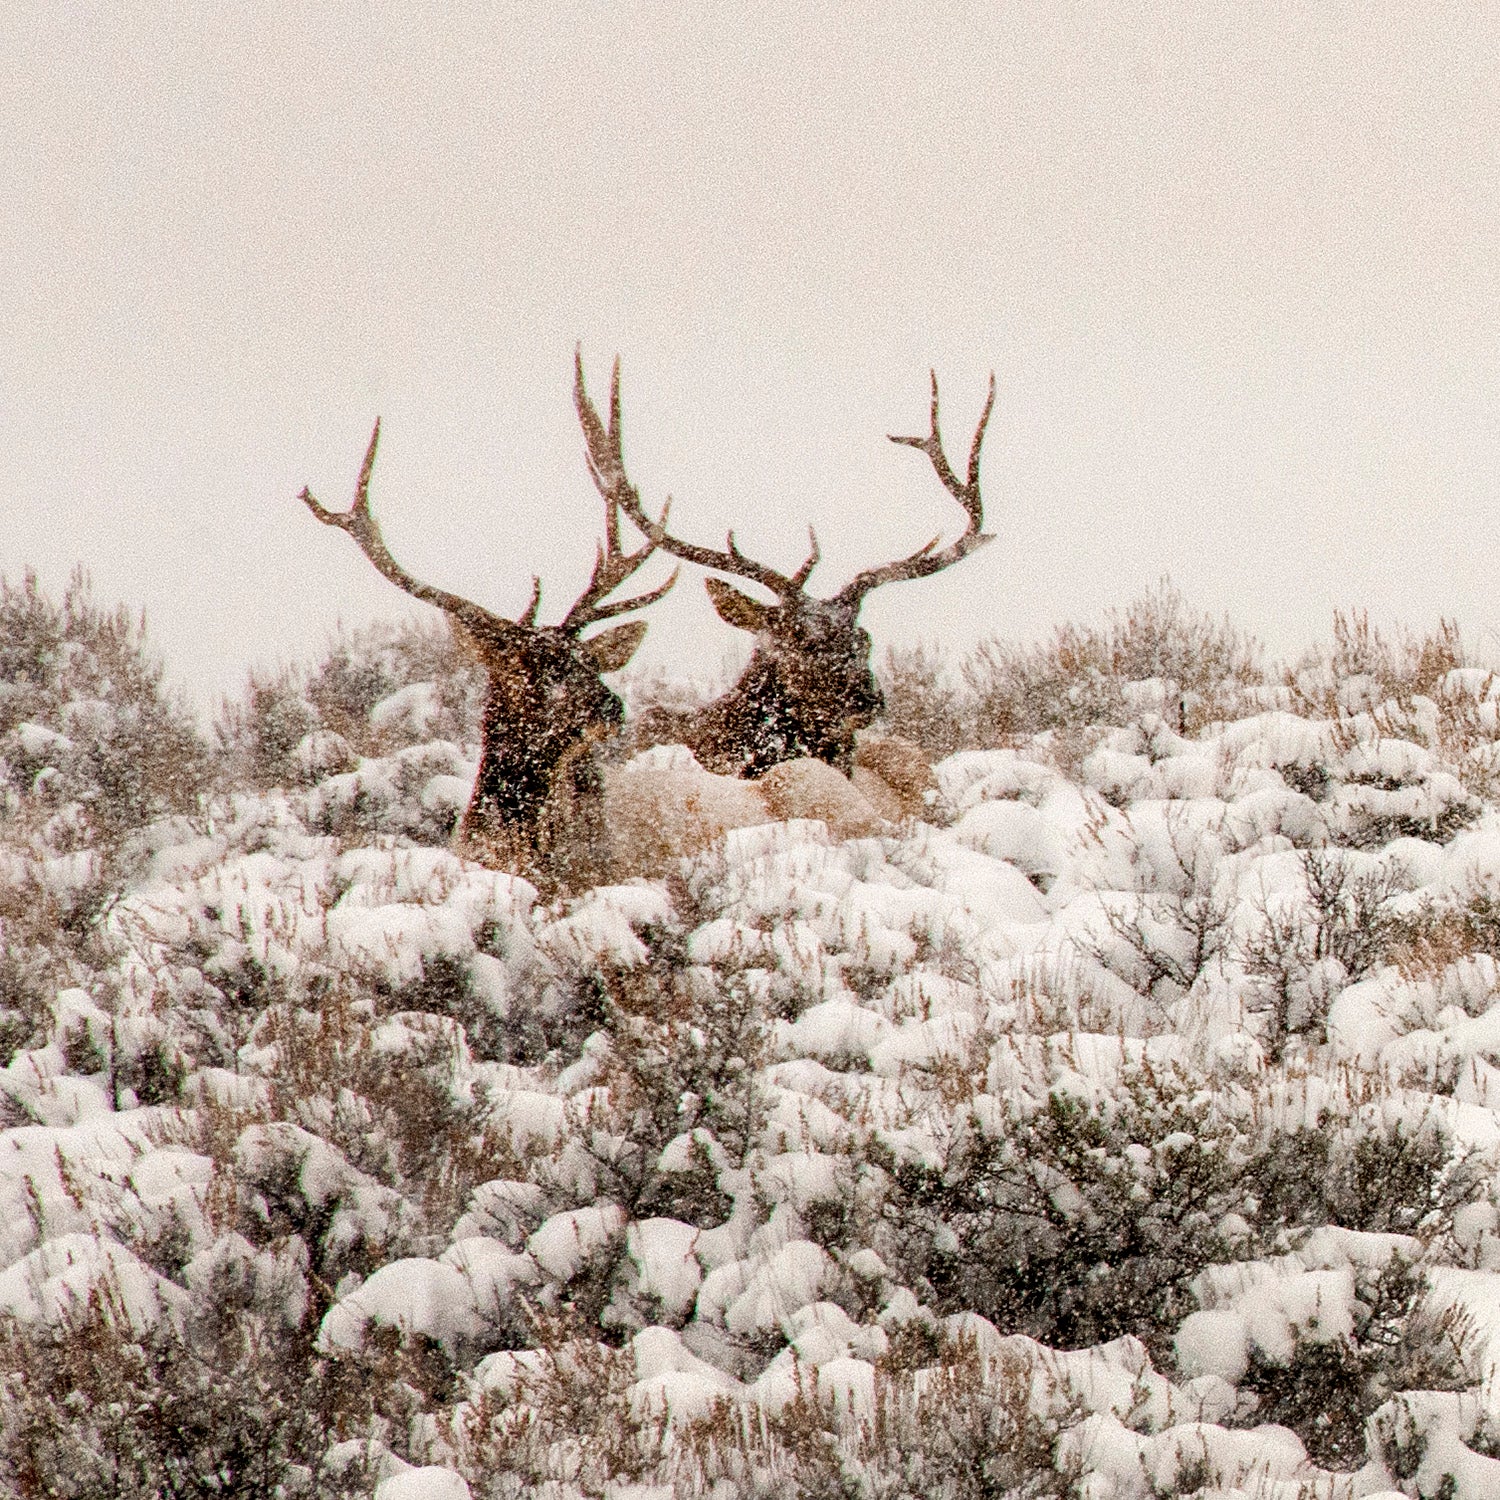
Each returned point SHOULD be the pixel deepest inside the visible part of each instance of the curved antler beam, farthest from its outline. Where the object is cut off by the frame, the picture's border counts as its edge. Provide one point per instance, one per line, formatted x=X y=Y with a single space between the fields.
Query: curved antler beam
x=606 y=463
x=927 y=560
x=362 y=526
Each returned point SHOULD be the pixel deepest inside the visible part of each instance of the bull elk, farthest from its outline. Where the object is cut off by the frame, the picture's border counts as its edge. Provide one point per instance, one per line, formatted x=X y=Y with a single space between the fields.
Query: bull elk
x=537 y=806
x=809 y=687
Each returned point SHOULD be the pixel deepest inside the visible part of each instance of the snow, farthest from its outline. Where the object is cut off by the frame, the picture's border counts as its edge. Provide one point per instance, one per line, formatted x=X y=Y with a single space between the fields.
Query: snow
x=429 y=1482
x=1214 y=1343
x=412 y=1296
x=68 y=1270
x=538 y=1141
x=409 y=710
x=663 y=1265
x=566 y=1242
x=1016 y=832
x=790 y=1278
x=672 y=1380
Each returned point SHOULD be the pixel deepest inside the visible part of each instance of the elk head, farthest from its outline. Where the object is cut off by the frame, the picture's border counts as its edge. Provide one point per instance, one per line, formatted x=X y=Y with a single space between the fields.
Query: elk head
x=537 y=803
x=809 y=686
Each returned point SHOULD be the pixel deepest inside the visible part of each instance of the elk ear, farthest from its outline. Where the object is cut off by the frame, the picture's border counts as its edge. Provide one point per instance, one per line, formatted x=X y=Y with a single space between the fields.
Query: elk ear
x=737 y=609
x=611 y=649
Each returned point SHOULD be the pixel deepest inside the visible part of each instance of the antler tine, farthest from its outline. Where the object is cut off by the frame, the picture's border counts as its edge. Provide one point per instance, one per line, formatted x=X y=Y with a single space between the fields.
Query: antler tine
x=606 y=464
x=361 y=525
x=814 y=553
x=616 y=438
x=966 y=492
x=611 y=569
x=984 y=421
x=607 y=468
x=528 y=619
x=357 y=518
x=591 y=613
x=928 y=560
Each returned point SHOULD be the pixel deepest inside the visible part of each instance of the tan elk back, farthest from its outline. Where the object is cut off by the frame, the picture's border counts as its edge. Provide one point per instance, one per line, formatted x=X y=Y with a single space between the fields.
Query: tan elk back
x=657 y=815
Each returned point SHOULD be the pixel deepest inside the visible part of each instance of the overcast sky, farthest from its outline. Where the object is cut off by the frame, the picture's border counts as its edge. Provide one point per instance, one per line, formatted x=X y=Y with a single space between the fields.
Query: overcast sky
x=1234 y=267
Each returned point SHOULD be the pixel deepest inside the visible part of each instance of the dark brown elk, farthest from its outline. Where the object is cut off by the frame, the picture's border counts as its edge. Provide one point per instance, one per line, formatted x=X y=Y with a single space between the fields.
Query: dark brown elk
x=809 y=686
x=537 y=806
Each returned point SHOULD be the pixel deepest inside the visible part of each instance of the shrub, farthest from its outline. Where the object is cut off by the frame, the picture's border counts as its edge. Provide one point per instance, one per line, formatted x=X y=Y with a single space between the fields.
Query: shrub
x=1161 y=942
x=260 y=735
x=684 y=1048
x=1424 y=941
x=1362 y=669
x=567 y=1419
x=963 y=1427
x=367 y=667
x=1072 y=1221
x=231 y=1400
x=85 y=718
x=392 y=1110
x=1202 y=668
x=1345 y=920
x=923 y=702
x=1362 y=1172
x=26 y=989
x=1077 y=1221
x=263 y=735
x=1327 y=1389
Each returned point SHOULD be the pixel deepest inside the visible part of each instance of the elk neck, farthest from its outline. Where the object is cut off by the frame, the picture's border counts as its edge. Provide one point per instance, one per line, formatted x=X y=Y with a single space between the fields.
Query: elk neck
x=538 y=768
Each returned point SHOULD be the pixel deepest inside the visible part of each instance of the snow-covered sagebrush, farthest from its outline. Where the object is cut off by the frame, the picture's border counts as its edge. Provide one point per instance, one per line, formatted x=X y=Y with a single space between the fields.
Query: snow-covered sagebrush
x=1129 y=1129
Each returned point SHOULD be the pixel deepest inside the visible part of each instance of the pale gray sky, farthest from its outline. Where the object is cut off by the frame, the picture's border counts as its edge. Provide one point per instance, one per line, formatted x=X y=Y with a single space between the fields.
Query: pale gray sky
x=1234 y=266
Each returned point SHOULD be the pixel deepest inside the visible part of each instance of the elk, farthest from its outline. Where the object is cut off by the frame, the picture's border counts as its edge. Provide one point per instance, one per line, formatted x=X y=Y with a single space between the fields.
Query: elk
x=537 y=808
x=809 y=687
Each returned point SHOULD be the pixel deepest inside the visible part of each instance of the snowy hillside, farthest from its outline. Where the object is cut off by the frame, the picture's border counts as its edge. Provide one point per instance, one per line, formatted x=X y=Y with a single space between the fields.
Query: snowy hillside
x=1129 y=1129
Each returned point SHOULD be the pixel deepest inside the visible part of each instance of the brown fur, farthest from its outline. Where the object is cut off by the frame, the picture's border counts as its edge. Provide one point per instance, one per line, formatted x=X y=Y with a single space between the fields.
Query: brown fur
x=902 y=767
x=808 y=788
x=658 y=815
x=538 y=805
x=809 y=687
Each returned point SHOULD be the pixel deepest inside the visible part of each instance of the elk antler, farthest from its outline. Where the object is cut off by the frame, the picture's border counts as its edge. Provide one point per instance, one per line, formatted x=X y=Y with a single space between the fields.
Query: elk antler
x=361 y=525
x=611 y=566
x=607 y=469
x=607 y=466
x=925 y=560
